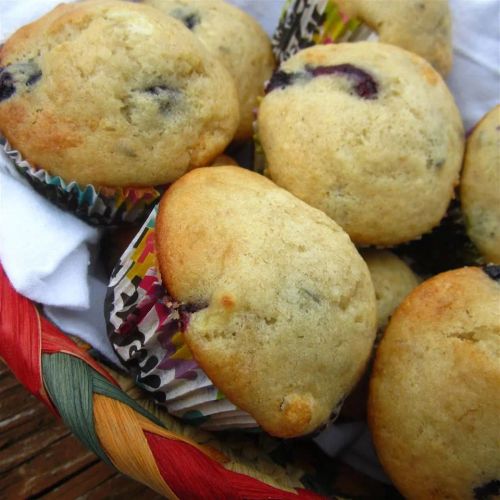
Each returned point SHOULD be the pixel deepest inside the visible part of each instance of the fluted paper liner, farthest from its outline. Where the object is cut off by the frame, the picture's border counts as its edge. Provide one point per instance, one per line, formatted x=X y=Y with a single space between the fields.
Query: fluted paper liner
x=146 y=328
x=95 y=205
x=304 y=23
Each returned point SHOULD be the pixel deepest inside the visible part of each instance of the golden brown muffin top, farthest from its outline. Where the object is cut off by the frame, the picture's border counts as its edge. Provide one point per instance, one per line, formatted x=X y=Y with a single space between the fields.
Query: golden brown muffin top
x=285 y=315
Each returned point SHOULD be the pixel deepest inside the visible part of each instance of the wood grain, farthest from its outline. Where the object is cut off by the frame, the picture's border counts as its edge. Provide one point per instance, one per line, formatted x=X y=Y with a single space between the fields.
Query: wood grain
x=40 y=458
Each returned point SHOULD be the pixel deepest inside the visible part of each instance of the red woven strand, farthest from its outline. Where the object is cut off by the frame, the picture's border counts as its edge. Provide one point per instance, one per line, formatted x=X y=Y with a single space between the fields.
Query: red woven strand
x=25 y=334
x=20 y=344
x=191 y=474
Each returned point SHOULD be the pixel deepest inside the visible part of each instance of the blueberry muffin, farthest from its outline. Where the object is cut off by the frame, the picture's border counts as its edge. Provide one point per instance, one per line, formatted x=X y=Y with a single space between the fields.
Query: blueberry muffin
x=420 y=26
x=434 y=394
x=276 y=306
x=480 y=186
x=223 y=160
x=114 y=94
x=366 y=132
x=392 y=279
x=237 y=40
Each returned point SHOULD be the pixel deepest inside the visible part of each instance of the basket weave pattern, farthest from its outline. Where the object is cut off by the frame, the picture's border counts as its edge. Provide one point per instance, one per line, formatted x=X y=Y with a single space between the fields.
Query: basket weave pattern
x=120 y=431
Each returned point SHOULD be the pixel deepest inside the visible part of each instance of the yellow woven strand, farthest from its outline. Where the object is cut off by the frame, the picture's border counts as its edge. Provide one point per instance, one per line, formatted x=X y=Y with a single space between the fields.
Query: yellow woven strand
x=258 y=465
x=120 y=432
x=212 y=453
x=245 y=458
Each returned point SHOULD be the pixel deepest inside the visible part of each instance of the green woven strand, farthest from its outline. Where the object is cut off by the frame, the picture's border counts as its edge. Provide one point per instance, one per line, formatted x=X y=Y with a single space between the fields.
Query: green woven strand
x=105 y=388
x=69 y=382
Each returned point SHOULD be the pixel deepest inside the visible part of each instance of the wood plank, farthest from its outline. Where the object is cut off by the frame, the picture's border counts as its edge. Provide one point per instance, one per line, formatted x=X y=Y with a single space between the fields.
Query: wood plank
x=4 y=369
x=80 y=484
x=119 y=487
x=16 y=407
x=46 y=470
x=31 y=446
x=39 y=457
x=41 y=419
x=15 y=426
x=12 y=401
x=7 y=383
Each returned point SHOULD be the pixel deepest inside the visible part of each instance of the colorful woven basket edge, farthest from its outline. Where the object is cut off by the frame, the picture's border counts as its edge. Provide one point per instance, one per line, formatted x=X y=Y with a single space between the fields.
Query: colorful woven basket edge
x=122 y=433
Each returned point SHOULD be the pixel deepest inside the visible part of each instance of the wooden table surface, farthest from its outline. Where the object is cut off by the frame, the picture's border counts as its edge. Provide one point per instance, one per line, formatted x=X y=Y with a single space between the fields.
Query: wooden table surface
x=40 y=458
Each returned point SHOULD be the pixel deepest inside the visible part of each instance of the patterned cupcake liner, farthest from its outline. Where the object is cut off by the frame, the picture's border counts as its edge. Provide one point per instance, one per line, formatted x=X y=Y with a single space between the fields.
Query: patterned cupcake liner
x=96 y=205
x=146 y=327
x=304 y=23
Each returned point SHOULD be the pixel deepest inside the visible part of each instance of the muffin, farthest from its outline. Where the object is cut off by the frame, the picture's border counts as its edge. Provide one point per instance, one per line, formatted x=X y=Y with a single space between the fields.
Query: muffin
x=420 y=26
x=434 y=399
x=480 y=186
x=237 y=40
x=115 y=96
x=238 y=297
x=224 y=160
x=392 y=280
x=366 y=132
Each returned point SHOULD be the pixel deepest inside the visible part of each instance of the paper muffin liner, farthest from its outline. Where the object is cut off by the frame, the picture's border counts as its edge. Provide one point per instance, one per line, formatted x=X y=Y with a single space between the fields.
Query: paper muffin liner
x=146 y=328
x=304 y=23
x=95 y=205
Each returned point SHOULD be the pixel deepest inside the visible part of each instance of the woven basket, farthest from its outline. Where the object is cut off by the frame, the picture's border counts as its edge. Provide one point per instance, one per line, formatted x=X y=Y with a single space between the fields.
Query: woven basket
x=114 y=419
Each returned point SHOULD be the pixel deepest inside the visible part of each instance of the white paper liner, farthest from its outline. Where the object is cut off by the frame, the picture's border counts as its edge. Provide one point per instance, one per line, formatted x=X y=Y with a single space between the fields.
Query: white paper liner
x=146 y=330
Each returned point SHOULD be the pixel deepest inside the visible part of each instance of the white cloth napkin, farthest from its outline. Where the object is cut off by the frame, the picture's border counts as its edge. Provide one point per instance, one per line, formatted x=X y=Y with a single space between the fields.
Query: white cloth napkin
x=43 y=250
x=475 y=77
x=48 y=254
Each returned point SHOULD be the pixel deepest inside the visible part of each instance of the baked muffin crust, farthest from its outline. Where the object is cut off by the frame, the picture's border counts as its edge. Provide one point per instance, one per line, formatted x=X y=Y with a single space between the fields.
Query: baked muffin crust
x=114 y=94
x=284 y=306
x=366 y=132
x=434 y=399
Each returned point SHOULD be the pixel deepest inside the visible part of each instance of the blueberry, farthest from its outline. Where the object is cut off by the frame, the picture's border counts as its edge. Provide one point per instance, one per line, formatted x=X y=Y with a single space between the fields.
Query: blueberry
x=194 y=307
x=280 y=80
x=18 y=77
x=189 y=18
x=7 y=87
x=492 y=271
x=164 y=95
x=363 y=83
x=158 y=89
x=34 y=78
x=487 y=490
